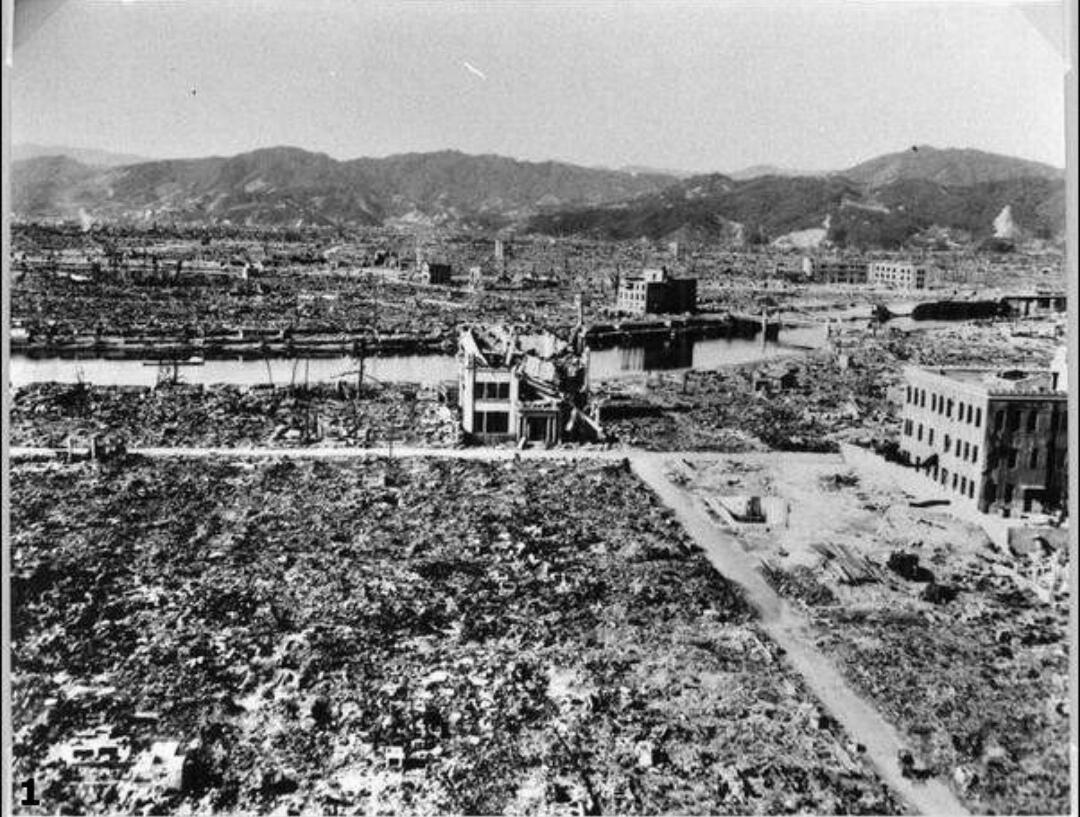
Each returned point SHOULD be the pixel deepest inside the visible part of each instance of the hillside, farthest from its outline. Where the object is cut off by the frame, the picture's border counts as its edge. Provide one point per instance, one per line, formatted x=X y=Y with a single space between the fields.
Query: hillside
x=887 y=203
x=293 y=186
x=913 y=196
x=951 y=166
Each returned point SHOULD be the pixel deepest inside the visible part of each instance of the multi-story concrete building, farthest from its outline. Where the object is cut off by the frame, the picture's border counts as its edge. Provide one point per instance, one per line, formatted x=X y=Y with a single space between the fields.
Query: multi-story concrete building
x=897 y=275
x=655 y=292
x=995 y=439
x=521 y=387
x=834 y=270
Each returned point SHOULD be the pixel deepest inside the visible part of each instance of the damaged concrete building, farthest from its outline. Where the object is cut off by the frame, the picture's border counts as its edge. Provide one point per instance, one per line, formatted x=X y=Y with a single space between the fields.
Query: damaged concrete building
x=846 y=271
x=903 y=275
x=522 y=388
x=655 y=292
x=996 y=439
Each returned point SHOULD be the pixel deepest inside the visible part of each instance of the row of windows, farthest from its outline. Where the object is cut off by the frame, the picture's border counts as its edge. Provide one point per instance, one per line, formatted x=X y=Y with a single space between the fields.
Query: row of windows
x=965 y=412
x=961 y=448
x=491 y=422
x=1014 y=418
x=493 y=391
x=960 y=483
x=1012 y=457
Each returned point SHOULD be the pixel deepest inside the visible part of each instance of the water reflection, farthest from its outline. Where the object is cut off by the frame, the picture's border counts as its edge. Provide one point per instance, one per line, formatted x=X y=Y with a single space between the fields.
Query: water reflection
x=679 y=352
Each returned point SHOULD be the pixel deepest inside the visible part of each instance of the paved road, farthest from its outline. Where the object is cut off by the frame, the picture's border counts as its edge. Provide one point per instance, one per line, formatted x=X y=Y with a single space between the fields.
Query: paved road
x=784 y=624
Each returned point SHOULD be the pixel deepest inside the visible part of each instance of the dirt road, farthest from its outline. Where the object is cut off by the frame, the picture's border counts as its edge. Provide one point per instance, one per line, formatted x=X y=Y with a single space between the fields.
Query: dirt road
x=788 y=628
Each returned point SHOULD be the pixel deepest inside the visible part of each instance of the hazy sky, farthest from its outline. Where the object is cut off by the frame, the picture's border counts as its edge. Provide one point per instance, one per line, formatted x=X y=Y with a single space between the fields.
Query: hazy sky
x=688 y=86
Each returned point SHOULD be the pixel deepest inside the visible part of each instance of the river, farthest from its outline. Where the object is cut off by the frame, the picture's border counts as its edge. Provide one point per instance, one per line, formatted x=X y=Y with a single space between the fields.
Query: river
x=621 y=361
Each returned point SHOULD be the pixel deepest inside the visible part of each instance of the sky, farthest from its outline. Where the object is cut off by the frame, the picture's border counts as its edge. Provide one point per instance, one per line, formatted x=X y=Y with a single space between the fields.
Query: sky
x=689 y=86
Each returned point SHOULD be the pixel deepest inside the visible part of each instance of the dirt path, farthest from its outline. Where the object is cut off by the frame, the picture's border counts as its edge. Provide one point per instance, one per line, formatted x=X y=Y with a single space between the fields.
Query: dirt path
x=792 y=631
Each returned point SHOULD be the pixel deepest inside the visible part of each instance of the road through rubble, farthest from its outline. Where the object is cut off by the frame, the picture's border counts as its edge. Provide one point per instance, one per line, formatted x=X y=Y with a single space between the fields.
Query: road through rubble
x=790 y=630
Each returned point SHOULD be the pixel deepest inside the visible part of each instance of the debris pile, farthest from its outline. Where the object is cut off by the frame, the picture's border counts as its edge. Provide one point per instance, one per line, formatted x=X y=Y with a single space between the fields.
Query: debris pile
x=402 y=635
x=48 y=414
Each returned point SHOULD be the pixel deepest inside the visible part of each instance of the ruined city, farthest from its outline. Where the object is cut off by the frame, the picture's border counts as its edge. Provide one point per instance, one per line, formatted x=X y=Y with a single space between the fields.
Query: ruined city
x=510 y=487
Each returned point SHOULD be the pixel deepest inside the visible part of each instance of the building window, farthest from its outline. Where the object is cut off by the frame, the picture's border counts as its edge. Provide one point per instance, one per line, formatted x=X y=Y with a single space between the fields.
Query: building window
x=918 y=436
x=969 y=413
x=974 y=453
x=978 y=417
x=930 y=436
x=491 y=422
x=955 y=481
x=1033 y=460
x=944 y=476
x=1032 y=420
x=1012 y=458
x=933 y=402
x=971 y=489
x=967 y=451
x=1014 y=420
x=922 y=401
x=960 y=412
x=1007 y=496
x=947 y=448
x=494 y=391
x=908 y=399
x=948 y=409
x=963 y=485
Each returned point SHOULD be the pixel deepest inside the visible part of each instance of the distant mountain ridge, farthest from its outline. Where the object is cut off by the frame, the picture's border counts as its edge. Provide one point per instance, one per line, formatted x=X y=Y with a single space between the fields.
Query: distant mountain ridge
x=86 y=156
x=885 y=201
x=948 y=166
x=287 y=185
x=756 y=171
x=924 y=195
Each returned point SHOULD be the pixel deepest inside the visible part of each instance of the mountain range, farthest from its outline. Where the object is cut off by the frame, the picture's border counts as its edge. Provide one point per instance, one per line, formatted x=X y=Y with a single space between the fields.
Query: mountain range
x=888 y=201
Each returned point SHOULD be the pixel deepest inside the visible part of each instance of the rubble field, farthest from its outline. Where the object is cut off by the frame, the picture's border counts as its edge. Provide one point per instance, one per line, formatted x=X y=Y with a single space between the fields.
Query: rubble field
x=395 y=636
x=848 y=392
x=47 y=414
x=960 y=644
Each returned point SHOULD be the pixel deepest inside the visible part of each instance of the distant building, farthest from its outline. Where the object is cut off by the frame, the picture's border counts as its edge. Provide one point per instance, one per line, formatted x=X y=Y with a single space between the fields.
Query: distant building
x=529 y=388
x=897 y=275
x=994 y=439
x=654 y=292
x=834 y=270
x=1035 y=304
x=437 y=273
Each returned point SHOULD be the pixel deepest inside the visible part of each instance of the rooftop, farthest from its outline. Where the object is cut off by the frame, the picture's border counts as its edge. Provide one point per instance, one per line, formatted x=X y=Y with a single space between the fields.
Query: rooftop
x=1000 y=381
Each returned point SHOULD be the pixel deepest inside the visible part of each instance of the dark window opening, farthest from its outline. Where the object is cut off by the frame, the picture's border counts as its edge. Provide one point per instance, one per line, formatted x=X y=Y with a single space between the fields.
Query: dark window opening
x=491 y=422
